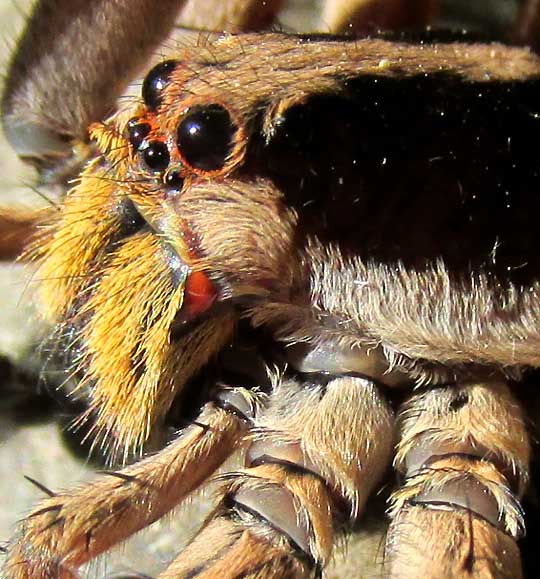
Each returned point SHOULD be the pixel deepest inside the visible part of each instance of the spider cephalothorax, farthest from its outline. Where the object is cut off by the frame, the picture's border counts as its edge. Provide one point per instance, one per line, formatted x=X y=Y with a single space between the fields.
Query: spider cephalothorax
x=362 y=210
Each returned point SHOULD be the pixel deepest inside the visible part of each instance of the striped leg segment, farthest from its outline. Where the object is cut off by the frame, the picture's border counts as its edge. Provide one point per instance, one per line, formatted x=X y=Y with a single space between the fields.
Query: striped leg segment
x=464 y=454
x=317 y=452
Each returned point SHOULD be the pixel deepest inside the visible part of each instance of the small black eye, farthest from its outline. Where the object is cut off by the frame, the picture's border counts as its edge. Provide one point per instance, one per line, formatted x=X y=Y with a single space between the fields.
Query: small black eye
x=205 y=137
x=137 y=132
x=154 y=83
x=174 y=180
x=156 y=156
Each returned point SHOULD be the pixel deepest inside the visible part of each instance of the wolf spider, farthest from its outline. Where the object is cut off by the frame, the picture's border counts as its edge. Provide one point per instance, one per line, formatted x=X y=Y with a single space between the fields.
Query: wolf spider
x=317 y=249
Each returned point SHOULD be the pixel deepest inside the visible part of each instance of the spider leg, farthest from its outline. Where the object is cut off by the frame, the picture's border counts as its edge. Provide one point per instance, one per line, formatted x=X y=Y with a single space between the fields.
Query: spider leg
x=230 y=15
x=68 y=529
x=317 y=452
x=17 y=228
x=464 y=454
x=367 y=16
x=527 y=25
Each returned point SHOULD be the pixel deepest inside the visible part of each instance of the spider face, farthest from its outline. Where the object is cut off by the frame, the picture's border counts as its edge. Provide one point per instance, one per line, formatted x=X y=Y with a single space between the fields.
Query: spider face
x=360 y=212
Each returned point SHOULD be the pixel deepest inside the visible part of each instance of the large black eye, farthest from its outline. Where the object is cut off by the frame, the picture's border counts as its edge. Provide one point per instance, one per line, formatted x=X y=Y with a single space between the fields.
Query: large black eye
x=137 y=132
x=156 y=156
x=205 y=137
x=154 y=83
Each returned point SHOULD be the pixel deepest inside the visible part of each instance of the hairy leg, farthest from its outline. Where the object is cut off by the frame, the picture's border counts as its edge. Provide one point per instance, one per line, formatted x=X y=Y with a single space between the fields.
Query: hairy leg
x=17 y=227
x=317 y=453
x=68 y=529
x=464 y=455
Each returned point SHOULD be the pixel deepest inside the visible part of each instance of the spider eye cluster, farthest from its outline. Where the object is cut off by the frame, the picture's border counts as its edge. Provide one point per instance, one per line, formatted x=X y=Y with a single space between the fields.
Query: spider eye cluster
x=205 y=134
